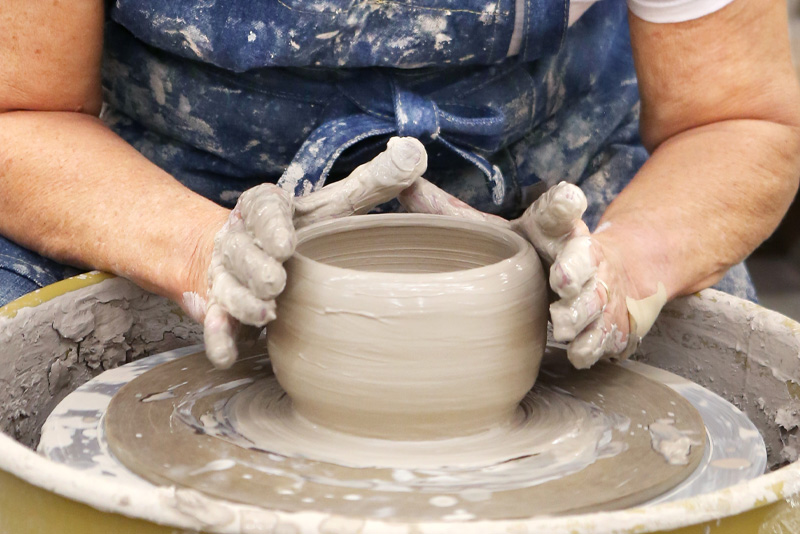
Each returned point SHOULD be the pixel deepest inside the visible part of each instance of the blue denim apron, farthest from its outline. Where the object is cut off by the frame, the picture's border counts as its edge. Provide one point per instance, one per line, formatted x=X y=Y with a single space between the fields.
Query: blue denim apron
x=226 y=95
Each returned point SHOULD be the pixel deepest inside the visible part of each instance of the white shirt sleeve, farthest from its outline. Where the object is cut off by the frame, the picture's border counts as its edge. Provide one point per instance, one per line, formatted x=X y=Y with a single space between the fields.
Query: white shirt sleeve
x=663 y=11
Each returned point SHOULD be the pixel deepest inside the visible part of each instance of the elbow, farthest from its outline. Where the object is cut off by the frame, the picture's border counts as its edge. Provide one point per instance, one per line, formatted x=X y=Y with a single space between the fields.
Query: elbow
x=84 y=98
x=794 y=154
x=775 y=102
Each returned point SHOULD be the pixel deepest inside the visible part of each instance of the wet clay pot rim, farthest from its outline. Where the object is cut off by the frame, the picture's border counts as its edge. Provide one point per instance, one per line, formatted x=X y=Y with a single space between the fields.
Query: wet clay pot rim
x=358 y=222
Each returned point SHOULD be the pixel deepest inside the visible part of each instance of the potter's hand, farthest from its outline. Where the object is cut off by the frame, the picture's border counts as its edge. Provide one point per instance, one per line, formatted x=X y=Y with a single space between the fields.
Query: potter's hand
x=591 y=313
x=246 y=273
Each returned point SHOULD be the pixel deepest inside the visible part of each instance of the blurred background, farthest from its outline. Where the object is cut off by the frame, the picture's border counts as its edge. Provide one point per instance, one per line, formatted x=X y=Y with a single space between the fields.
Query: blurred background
x=775 y=266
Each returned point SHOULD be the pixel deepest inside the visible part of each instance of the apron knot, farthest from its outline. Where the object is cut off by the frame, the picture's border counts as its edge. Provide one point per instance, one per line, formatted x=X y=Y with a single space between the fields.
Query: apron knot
x=374 y=104
x=416 y=116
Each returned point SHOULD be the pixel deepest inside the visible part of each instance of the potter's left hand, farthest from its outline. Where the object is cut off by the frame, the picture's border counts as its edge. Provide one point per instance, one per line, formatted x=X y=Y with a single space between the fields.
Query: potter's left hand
x=246 y=273
x=596 y=312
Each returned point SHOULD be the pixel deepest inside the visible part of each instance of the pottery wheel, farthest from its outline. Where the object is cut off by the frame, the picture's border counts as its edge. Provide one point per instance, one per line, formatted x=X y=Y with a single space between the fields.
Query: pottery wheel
x=175 y=424
x=170 y=426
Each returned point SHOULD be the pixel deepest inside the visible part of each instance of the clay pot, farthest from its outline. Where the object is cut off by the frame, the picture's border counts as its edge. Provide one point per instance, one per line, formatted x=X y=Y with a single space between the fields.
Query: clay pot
x=409 y=326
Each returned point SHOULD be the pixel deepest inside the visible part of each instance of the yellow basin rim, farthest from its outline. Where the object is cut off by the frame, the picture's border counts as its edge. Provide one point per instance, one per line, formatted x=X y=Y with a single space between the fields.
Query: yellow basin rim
x=758 y=506
x=52 y=291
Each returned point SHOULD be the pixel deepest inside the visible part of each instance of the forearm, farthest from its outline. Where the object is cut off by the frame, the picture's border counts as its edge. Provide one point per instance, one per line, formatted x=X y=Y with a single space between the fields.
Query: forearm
x=704 y=201
x=75 y=192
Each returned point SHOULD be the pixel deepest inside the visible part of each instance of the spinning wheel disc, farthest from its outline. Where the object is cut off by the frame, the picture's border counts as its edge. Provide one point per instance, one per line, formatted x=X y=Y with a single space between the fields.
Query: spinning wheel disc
x=170 y=426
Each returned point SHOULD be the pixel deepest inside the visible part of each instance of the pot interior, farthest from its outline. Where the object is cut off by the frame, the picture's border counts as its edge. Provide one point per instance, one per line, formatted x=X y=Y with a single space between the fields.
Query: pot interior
x=407 y=244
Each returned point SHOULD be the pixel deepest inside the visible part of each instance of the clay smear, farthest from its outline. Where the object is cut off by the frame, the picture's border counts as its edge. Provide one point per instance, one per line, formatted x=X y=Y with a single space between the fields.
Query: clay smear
x=673 y=444
x=552 y=434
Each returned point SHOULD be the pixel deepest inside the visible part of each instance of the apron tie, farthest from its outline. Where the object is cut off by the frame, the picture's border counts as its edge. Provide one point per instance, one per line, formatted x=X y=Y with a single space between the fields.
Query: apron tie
x=381 y=106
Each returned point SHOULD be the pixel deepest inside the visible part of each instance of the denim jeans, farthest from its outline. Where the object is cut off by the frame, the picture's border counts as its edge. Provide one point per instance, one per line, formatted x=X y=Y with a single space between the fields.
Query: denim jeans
x=23 y=271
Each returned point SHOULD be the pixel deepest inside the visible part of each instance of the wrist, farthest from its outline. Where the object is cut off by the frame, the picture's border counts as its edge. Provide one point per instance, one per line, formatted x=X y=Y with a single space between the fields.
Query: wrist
x=193 y=276
x=188 y=246
x=642 y=257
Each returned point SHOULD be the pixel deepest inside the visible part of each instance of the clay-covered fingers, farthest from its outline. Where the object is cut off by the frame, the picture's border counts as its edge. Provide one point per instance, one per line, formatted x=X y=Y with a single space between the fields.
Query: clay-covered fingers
x=570 y=316
x=246 y=270
x=261 y=273
x=588 y=315
x=424 y=197
x=267 y=212
x=574 y=267
x=371 y=184
x=583 y=316
x=231 y=304
x=605 y=337
x=602 y=339
x=219 y=334
x=236 y=299
x=596 y=314
x=553 y=219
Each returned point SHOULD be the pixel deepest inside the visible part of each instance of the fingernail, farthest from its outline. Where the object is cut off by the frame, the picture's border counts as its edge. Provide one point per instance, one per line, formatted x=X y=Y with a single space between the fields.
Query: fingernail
x=569 y=200
x=406 y=152
x=221 y=351
x=223 y=361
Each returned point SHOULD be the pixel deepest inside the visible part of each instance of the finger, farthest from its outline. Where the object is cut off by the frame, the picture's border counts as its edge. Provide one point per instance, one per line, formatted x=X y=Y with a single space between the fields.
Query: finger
x=571 y=316
x=194 y=305
x=263 y=275
x=267 y=213
x=600 y=339
x=371 y=184
x=237 y=300
x=556 y=211
x=574 y=266
x=424 y=197
x=219 y=333
x=554 y=218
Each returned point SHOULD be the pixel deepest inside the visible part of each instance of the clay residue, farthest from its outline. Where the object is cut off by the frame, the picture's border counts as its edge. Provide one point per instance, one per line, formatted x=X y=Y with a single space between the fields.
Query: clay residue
x=673 y=444
x=49 y=350
x=744 y=353
x=552 y=435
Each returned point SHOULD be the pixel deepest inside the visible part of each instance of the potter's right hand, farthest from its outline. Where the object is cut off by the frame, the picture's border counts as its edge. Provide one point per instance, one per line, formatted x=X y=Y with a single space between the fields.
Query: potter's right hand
x=595 y=293
x=246 y=273
x=591 y=285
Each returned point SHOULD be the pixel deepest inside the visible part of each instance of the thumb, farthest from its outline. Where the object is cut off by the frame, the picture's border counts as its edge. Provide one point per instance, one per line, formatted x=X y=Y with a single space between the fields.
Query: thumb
x=219 y=332
x=553 y=219
x=424 y=197
x=371 y=184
